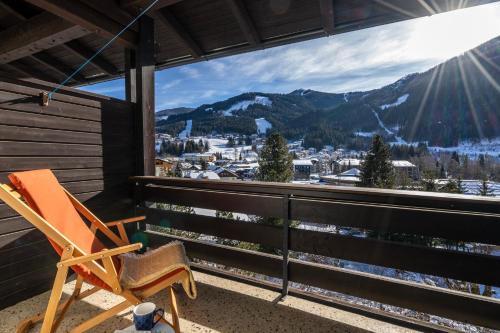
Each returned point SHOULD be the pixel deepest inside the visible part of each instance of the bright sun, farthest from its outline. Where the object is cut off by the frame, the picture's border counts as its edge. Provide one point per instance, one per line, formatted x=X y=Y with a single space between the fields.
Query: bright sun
x=446 y=35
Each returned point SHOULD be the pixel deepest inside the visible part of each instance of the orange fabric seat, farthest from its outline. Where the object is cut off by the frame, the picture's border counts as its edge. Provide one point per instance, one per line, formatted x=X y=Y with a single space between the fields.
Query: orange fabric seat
x=44 y=194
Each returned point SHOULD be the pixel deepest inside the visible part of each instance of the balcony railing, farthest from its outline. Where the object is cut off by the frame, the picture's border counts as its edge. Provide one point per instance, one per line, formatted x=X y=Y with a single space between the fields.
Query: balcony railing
x=450 y=217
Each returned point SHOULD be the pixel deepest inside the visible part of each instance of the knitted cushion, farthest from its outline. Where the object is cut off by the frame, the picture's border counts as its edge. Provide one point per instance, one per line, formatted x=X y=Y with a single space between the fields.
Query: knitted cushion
x=139 y=270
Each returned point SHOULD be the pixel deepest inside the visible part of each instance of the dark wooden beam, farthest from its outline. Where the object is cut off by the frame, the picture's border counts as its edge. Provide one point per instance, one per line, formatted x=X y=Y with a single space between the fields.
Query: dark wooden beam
x=327 y=16
x=85 y=53
x=74 y=46
x=47 y=60
x=78 y=13
x=168 y=19
x=113 y=11
x=36 y=34
x=145 y=98
x=27 y=69
x=245 y=21
x=13 y=14
x=141 y=4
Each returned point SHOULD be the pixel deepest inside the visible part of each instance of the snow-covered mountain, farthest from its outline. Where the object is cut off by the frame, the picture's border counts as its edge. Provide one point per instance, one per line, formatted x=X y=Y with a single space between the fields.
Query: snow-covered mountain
x=455 y=102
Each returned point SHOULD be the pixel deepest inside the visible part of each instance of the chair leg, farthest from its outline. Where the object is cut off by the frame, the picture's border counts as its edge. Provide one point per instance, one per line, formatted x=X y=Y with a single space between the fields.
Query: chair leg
x=27 y=323
x=55 y=297
x=65 y=307
x=173 y=308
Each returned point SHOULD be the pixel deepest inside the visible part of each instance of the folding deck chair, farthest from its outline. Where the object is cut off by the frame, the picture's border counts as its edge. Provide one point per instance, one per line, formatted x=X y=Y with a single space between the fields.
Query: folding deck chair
x=40 y=199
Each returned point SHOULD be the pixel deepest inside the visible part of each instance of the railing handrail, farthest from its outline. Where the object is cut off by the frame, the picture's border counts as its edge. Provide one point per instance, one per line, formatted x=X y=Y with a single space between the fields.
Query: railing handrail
x=374 y=195
x=354 y=209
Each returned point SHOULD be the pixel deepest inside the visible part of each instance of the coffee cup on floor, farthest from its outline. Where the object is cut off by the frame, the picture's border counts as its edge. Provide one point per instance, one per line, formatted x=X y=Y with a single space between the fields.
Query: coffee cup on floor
x=144 y=316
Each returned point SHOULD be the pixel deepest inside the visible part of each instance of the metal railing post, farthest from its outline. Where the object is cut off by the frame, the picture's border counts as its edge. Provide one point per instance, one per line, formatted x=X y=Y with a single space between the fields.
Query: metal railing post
x=286 y=236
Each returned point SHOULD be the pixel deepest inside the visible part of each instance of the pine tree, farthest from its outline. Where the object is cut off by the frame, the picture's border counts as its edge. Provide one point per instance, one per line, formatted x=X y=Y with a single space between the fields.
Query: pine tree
x=484 y=189
x=460 y=186
x=178 y=171
x=428 y=182
x=376 y=169
x=275 y=163
x=450 y=187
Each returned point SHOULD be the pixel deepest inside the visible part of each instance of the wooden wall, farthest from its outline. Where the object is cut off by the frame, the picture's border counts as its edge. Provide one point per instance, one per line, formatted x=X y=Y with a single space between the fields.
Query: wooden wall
x=87 y=140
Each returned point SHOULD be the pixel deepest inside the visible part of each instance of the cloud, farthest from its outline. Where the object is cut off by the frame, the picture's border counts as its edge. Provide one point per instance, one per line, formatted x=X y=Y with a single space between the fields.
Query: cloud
x=169 y=85
x=355 y=61
x=190 y=72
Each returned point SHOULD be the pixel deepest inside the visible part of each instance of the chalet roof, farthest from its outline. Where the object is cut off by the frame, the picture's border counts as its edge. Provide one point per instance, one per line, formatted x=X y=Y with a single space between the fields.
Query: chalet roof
x=302 y=162
x=354 y=172
x=48 y=39
x=402 y=164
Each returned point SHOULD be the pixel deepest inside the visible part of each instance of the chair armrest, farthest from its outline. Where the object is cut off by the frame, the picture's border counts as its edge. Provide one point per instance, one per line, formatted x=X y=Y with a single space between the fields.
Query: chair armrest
x=123 y=221
x=100 y=255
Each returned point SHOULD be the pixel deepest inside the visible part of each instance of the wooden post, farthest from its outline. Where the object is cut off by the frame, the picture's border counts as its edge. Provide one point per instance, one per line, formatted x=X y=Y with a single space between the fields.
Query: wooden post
x=130 y=76
x=145 y=98
x=286 y=236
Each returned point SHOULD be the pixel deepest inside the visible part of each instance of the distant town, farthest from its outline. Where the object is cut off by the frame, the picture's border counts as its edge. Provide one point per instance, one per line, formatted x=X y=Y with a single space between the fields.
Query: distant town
x=233 y=157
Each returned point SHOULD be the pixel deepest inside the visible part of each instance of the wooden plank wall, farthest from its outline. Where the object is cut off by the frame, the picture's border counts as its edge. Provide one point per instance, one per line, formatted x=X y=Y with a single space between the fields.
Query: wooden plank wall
x=87 y=140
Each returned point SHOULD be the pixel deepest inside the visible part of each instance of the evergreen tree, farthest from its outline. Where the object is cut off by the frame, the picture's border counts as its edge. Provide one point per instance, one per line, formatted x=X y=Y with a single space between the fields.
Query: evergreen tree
x=275 y=163
x=450 y=187
x=207 y=146
x=460 y=186
x=230 y=142
x=428 y=182
x=442 y=172
x=376 y=169
x=484 y=189
x=178 y=171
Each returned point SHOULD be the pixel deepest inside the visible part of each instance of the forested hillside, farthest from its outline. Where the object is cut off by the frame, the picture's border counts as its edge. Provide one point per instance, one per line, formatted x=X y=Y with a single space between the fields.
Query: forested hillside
x=456 y=101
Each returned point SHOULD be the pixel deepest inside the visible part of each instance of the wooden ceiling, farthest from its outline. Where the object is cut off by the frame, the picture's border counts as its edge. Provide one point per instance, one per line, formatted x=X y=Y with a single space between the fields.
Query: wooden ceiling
x=48 y=39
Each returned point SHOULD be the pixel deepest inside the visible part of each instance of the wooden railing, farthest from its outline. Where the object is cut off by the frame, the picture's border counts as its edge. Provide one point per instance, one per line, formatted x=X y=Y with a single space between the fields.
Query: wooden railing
x=450 y=217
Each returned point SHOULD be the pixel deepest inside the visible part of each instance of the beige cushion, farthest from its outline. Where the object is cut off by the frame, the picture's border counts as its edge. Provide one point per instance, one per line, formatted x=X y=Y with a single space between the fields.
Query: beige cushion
x=138 y=270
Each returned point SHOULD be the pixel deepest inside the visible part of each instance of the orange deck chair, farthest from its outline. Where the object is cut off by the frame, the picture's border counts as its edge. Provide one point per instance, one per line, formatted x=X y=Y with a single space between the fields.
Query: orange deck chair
x=40 y=199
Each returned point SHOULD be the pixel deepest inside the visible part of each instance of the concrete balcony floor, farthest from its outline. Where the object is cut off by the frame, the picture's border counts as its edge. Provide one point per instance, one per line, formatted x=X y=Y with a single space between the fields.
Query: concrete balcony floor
x=222 y=306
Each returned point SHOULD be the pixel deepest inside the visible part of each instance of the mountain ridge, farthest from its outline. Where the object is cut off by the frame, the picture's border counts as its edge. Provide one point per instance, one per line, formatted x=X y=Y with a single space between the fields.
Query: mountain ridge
x=455 y=101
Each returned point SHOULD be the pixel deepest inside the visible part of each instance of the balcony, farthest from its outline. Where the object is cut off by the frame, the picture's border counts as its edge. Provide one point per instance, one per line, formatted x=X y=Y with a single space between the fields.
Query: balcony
x=253 y=277
x=249 y=290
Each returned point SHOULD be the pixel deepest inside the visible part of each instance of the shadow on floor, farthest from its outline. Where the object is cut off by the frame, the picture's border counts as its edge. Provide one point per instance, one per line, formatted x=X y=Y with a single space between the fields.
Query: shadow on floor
x=215 y=310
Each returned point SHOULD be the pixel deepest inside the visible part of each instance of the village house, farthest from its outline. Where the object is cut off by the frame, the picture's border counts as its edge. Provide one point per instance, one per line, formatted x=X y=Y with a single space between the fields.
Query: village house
x=345 y=164
x=198 y=157
x=302 y=169
x=406 y=168
x=226 y=174
x=347 y=178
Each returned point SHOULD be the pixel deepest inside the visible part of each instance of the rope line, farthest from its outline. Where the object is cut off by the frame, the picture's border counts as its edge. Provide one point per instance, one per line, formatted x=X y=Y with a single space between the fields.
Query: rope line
x=86 y=62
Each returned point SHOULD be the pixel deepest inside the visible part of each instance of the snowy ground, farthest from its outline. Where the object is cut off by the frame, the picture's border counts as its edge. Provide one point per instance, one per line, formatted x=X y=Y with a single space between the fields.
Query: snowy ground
x=262 y=125
x=473 y=150
x=399 y=101
x=243 y=105
x=399 y=140
x=187 y=131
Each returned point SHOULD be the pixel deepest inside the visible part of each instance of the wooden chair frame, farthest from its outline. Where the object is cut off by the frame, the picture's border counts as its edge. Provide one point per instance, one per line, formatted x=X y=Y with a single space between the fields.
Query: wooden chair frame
x=100 y=263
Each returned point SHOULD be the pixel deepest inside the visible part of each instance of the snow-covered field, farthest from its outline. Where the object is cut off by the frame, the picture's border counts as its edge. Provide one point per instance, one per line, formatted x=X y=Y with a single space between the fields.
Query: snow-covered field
x=262 y=125
x=243 y=105
x=473 y=149
x=399 y=101
x=365 y=134
x=187 y=131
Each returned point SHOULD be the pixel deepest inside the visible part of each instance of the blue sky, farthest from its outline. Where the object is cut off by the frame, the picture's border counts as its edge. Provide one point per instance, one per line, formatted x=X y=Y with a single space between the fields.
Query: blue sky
x=355 y=61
